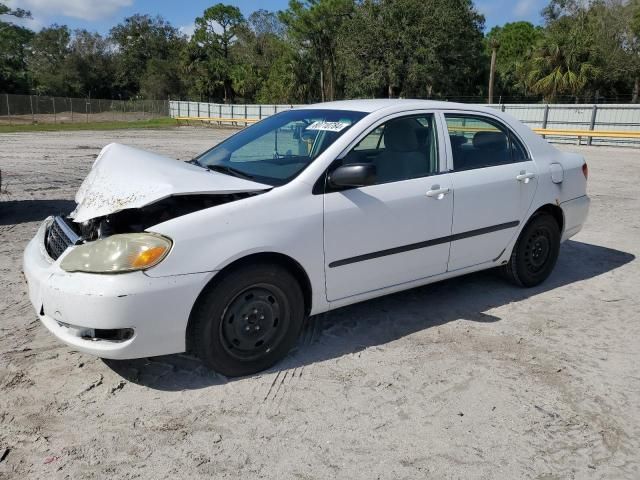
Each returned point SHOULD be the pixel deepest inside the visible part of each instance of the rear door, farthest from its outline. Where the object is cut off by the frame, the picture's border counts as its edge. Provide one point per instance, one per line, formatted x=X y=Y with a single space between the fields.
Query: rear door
x=494 y=182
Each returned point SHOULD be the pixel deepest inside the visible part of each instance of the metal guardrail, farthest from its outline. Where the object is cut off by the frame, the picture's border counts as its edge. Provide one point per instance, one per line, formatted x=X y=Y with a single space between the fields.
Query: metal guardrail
x=219 y=121
x=193 y=110
x=597 y=124
x=545 y=132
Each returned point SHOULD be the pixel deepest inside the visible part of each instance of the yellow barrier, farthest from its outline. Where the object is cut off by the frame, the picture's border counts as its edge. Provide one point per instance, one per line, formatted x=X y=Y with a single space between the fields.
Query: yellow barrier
x=587 y=133
x=552 y=132
x=220 y=120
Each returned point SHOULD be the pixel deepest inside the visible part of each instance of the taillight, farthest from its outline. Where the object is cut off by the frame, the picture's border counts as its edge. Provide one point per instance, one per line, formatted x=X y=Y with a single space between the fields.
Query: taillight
x=585 y=170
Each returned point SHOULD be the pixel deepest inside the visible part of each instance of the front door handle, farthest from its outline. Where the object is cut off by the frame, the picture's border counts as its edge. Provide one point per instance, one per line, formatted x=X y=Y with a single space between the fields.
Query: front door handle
x=525 y=176
x=438 y=192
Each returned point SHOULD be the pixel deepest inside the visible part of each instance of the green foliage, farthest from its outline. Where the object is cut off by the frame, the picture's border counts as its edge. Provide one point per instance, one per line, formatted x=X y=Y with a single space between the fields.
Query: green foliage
x=406 y=48
x=13 y=48
x=515 y=42
x=315 y=25
x=558 y=69
x=588 y=50
x=146 y=44
x=267 y=68
x=331 y=49
x=631 y=46
x=14 y=12
x=290 y=79
x=48 y=51
x=210 y=57
x=634 y=24
x=89 y=60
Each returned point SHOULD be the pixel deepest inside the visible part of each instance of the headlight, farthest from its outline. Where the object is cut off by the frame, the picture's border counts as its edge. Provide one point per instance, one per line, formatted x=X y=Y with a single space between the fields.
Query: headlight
x=118 y=254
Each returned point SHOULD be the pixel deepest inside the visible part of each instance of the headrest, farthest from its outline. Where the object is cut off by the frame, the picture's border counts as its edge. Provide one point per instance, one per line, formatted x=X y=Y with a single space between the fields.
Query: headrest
x=493 y=141
x=457 y=140
x=400 y=136
x=422 y=135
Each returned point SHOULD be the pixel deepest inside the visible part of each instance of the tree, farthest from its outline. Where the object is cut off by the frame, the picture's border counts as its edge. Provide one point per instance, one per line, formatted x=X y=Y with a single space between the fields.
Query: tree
x=632 y=37
x=143 y=43
x=405 y=48
x=290 y=78
x=557 y=69
x=14 y=12
x=46 y=61
x=90 y=63
x=315 y=25
x=210 y=48
x=13 y=41
x=587 y=50
x=493 y=44
x=258 y=46
x=516 y=43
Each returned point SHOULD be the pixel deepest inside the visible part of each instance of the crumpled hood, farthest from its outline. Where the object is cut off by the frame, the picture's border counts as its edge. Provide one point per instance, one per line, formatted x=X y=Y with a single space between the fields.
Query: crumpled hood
x=124 y=177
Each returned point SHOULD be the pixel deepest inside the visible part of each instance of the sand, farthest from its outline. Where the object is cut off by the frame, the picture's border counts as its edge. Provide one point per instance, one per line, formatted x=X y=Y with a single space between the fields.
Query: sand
x=470 y=378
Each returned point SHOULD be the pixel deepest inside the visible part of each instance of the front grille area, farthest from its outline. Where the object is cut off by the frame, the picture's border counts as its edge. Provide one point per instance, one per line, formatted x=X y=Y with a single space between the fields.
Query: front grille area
x=59 y=237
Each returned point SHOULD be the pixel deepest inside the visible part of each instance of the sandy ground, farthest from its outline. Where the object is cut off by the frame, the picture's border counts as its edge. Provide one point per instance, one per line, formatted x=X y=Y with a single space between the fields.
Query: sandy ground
x=471 y=378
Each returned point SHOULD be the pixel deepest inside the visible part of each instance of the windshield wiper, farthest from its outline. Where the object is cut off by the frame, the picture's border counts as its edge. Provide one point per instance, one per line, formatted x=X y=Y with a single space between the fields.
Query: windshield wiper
x=234 y=172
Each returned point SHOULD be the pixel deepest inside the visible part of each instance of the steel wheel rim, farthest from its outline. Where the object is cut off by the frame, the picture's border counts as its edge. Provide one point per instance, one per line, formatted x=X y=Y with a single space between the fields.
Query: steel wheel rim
x=254 y=322
x=537 y=250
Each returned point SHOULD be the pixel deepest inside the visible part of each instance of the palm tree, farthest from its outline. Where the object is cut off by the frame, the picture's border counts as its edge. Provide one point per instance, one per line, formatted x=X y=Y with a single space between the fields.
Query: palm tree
x=557 y=69
x=494 y=44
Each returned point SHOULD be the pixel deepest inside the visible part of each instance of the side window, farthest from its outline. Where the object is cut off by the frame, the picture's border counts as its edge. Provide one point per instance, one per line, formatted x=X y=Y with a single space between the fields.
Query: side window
x=477 y=143
x=401 y=149
x=518 y=152
x=373 y=141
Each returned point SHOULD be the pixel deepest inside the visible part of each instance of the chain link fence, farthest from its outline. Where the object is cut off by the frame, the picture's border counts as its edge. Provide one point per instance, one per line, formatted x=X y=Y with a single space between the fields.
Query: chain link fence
x=30 y=109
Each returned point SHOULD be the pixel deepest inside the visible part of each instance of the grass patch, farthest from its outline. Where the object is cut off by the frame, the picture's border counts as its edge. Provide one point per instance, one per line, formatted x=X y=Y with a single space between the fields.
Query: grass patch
x=61 y=127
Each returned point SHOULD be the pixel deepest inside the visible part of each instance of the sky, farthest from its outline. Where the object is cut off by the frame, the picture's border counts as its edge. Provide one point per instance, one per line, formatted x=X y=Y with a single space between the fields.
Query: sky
x=101 y=15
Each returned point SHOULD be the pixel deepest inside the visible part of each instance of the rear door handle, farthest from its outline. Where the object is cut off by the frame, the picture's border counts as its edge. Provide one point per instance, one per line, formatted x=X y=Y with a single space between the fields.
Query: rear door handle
x=438 y=192
x=525 y=176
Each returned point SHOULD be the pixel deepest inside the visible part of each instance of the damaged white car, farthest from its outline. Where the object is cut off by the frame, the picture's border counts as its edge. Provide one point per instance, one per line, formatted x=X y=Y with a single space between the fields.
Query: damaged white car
x=308 y=210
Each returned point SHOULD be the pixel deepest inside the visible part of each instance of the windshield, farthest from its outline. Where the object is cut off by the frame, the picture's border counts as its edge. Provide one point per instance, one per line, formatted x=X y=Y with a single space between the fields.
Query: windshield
x=277 y=149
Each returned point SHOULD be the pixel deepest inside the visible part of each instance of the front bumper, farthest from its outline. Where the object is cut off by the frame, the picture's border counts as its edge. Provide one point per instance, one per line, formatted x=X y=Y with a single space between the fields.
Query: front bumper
x=575 y=214
x=73 y=306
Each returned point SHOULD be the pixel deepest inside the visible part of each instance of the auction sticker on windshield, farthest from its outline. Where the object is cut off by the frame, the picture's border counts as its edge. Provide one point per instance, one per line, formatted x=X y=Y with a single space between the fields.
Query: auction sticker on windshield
x=328 y=126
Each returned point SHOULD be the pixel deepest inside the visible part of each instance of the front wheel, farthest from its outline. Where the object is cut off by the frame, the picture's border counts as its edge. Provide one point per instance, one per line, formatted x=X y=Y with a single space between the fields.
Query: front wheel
x=535 y=253
x=248 y=320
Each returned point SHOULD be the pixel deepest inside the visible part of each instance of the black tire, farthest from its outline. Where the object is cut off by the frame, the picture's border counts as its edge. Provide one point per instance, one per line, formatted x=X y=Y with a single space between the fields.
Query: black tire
x=248 y=320
x=535 y=253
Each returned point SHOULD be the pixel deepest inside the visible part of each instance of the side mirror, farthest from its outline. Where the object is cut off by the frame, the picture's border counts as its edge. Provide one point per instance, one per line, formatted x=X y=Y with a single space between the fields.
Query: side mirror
x=353 y=175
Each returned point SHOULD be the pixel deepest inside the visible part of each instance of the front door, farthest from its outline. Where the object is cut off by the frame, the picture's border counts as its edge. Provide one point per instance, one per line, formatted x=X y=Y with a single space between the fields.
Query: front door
x=397 y=230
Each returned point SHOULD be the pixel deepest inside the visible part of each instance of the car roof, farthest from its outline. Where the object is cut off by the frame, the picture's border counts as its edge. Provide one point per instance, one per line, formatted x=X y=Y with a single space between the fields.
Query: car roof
x=391 y=106
x=372 y=105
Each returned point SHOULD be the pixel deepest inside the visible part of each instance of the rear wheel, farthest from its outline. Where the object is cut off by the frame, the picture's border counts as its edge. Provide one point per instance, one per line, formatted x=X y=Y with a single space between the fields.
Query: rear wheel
x=535 y=253
x=248 y=320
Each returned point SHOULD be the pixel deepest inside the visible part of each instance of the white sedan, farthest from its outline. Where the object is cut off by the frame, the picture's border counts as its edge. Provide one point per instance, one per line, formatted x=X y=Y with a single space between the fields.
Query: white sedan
x=306 y=211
